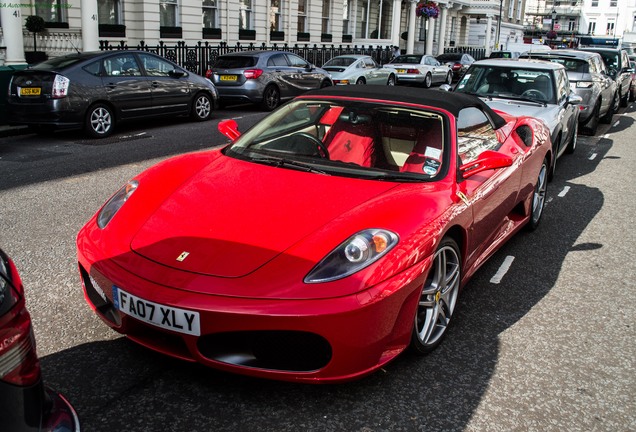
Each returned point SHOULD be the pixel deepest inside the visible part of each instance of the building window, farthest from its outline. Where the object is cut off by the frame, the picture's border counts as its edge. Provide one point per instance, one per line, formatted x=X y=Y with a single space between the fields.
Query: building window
x=594 y=3
x=169 y=13
x=109 y=12
x=245 y=15
x=519 y=9
x=326 y=17
x=211 y=14
x=572 y=25
x=276 y=16
x=346 y=17
x=613 y=3
x=53 y=11
x=591 y=28
x=374 y=18
x=610 y=28
x=302 y=16
x=511 y=9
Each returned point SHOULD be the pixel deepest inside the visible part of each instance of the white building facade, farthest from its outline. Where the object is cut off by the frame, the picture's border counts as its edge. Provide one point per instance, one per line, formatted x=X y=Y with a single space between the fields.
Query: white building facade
x=82 y=24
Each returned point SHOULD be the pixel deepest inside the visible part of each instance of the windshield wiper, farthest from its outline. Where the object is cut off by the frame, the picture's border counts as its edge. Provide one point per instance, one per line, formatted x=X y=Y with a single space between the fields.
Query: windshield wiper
x=525 y=99
x=288 y=163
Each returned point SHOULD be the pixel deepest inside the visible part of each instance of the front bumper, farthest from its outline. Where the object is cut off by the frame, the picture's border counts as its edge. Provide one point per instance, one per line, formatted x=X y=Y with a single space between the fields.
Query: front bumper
x=317 y=340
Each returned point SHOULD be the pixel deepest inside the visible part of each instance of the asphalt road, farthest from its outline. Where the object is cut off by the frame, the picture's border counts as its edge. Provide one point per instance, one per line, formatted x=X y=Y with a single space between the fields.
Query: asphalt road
x=547 y=345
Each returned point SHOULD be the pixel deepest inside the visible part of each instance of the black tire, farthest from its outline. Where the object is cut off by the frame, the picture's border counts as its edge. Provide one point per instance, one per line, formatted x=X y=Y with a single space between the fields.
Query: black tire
x=438 y=298
x=555 y=157
x=361 y=81
x=626 y=97
x=391 y=80
x=538 y=197
x=607 y=118
x=572 y=144
x=325 y=83
x=100 y=121
x=632 y=95
x=428 y=80
x=591 y=125
x=201 y=107
x=271 y=98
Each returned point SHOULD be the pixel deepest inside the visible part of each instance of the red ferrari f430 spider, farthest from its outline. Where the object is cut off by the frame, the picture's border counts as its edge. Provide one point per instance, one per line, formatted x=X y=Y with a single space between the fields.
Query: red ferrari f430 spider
x=322 y=242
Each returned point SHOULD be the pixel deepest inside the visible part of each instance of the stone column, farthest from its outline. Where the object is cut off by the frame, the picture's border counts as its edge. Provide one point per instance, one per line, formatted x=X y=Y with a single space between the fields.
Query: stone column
x=442 y=29
x=12 y=31
x=90 y=23
x=488 y=27
x=396 y=23
x=430 y=35
x=410 y=42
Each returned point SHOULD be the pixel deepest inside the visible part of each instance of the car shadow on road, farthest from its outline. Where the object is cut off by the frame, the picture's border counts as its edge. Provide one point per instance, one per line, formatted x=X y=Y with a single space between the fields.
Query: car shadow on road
x=117 y=385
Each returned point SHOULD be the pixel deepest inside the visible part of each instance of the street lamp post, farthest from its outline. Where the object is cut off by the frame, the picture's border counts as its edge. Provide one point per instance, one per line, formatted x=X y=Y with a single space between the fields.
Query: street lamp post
x=554 y=15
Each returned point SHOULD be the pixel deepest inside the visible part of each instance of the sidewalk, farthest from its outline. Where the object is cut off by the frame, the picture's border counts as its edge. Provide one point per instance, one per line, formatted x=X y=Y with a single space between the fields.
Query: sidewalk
x=7 y=131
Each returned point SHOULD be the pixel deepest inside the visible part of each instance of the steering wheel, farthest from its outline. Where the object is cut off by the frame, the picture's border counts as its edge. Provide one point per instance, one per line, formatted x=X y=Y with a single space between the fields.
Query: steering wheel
x=534 y=94
x=322 y=148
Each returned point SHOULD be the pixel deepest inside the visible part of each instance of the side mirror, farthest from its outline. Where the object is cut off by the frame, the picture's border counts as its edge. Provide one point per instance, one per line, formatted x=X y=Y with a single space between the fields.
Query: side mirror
x=229 y=128
x=575 y=99
x=489 y=159
x=176 y=73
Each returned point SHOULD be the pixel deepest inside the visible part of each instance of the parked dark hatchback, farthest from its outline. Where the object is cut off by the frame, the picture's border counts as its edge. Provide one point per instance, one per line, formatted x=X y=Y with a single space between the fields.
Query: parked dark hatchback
x=96 y=90
x=26 y=404
x=265 y=77
x=458 y=62
x=617 y=63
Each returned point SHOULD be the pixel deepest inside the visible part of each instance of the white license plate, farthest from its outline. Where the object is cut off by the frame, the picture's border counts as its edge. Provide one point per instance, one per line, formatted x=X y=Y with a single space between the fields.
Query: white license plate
x=166 y=317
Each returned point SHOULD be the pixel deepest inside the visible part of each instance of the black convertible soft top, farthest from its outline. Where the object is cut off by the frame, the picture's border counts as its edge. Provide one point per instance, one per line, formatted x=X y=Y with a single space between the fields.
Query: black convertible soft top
x=449 y=101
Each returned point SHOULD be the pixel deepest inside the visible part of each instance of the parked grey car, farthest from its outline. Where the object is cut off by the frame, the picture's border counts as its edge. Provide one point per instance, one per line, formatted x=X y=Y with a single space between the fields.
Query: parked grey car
x=458 y=62
x=590 y=80
x=265 y=77
x=97 y=90
x=532 y=88
x=617 y=63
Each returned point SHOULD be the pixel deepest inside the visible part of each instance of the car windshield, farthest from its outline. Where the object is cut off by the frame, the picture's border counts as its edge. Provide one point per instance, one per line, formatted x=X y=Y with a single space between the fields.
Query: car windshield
x=501 y=54
x=611 y=60
x=340 y=61
x=350 y=138
x=509 y=82
x=407 y=59
x=449 y=57
x=235 y=62
x=570 y=64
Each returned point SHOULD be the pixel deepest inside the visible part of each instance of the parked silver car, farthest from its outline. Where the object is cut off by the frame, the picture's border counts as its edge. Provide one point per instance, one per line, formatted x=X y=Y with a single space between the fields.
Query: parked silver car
x=532 y=88
x=358 y=69
x=617 y=63
x=590 y=80
x=264 y=77
x=420 y=69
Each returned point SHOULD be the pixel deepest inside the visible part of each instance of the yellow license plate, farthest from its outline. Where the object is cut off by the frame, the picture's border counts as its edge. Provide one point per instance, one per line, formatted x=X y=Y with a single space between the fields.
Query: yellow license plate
x=401 y=71
x=228 y=78
x=30 y=91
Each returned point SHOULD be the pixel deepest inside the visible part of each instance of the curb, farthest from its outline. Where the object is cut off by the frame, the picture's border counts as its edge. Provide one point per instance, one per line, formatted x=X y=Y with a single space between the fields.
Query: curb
x=7 y=131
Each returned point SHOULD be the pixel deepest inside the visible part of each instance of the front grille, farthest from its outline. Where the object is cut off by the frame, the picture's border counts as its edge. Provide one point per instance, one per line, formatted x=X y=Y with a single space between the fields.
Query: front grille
x=292 y=351
x=97 y=297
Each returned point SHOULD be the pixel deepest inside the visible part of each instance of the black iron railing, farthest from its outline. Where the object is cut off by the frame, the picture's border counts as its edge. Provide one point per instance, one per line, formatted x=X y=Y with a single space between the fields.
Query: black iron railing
x=198 y=58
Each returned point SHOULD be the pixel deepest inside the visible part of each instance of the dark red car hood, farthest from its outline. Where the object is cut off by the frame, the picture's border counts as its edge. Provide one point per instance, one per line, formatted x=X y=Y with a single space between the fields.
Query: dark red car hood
x=235 y=216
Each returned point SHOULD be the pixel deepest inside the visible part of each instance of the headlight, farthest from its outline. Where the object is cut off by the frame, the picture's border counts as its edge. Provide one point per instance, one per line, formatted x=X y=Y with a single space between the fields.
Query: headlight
x=356 y=253
x=115 y=202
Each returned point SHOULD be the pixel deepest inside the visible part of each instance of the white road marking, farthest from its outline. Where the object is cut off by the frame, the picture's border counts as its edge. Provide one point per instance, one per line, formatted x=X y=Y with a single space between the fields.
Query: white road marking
x=592 y=156
x=564 y=192
x=503 y=269
x=616 y=124
x=605 y=136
